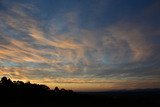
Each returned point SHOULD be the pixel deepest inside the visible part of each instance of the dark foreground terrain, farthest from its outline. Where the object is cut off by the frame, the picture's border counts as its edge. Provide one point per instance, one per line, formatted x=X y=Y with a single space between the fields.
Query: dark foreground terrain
x=19 y=94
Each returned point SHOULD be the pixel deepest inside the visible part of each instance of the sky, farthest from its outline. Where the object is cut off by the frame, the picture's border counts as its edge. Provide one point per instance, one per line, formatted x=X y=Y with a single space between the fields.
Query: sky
x=83 y=45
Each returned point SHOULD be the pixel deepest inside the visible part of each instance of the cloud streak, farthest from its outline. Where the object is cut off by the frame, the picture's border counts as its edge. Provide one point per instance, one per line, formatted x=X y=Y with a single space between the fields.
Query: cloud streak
x=60 y=51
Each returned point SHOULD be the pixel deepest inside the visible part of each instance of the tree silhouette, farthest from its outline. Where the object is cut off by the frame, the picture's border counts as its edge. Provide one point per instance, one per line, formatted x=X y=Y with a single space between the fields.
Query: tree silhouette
x=5 y=81
x=26 y=88
x=56 y=89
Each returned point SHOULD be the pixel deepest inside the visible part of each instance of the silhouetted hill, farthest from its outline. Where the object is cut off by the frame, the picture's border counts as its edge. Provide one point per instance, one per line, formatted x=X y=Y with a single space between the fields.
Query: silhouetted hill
x=20 y=94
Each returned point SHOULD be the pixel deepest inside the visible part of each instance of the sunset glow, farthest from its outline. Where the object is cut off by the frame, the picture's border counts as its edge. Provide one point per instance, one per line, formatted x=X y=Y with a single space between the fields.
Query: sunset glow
x=84 y=45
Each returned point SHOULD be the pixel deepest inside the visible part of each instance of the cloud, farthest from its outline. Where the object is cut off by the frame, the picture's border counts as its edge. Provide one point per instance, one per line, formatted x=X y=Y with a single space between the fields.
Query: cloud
x=135 y=40
x=61 y=51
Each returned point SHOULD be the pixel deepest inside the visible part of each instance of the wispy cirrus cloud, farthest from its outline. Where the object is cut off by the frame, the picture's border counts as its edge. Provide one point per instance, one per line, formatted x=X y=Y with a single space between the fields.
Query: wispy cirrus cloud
x=60 y=50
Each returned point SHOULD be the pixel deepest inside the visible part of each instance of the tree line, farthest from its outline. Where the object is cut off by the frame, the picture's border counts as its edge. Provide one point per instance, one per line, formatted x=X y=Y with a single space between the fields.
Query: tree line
x=7 y=85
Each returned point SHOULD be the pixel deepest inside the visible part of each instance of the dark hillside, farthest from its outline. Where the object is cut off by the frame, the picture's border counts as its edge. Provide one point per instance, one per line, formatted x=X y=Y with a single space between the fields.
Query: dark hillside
x=20 y=94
